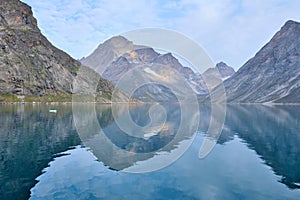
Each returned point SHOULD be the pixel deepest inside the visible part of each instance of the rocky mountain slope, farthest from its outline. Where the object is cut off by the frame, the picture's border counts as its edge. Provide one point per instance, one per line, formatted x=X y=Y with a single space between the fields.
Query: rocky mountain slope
x=31 y=66
x=273 y=74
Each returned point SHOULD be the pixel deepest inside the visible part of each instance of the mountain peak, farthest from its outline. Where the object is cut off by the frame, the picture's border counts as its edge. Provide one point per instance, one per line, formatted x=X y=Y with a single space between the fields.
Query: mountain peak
x=225 y=70
x=222 y=65
x=168 y=59
x=290 y=27
x=117 y=40
x=16 y=14
x=107 y=52
x=291 y=23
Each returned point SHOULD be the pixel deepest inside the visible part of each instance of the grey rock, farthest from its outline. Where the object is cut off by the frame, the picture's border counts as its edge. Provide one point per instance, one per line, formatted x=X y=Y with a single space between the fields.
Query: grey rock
x=30 y=64
x=273 y=74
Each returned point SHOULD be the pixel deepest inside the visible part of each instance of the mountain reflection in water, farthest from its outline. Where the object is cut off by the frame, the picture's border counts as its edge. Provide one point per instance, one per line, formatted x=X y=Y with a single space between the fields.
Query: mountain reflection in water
x=31 y=138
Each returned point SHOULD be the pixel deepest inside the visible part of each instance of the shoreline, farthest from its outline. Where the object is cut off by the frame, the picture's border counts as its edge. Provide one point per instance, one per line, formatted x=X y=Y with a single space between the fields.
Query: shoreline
x=122 y=102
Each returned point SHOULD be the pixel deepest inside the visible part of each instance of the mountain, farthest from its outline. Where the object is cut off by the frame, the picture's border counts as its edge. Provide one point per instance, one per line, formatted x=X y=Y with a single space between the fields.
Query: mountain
x=221 y=71
x=107 y=52
x=117 y=57
x=30 y=66
x=225 y=70
x=273 y=74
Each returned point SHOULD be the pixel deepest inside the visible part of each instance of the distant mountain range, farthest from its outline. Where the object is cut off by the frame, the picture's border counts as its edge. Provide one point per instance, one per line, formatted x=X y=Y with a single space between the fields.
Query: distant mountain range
x=117 y=56
x=273 y=74
x=30 y=66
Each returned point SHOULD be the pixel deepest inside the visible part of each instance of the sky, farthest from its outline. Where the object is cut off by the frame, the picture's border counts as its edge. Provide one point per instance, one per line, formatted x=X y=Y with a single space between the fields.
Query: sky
x=228 y=30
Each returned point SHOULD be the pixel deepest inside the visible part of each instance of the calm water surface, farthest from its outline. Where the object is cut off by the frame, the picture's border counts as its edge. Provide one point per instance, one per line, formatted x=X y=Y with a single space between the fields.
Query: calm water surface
x=43 y=157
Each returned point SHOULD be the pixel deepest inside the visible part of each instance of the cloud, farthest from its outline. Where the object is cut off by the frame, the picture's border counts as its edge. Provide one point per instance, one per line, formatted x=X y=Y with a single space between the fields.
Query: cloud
x=229 y=30
x=78 y=27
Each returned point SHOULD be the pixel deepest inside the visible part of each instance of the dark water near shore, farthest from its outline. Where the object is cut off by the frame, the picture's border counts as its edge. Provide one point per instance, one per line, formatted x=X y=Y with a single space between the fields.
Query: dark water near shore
x=42 y=156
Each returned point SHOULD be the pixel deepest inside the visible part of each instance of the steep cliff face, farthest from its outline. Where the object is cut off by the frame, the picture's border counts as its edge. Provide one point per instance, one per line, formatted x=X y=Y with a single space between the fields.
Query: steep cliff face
x=273 y=74
x=29 y=63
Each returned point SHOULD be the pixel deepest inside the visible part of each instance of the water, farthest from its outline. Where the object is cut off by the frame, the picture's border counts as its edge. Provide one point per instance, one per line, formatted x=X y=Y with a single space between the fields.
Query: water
x=42 y=155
